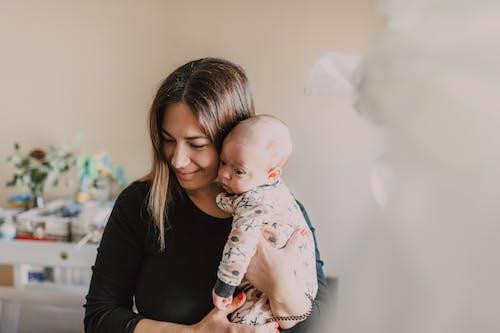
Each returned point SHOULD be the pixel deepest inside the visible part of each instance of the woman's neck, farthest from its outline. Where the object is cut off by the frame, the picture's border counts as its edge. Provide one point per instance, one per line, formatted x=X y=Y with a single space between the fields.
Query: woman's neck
x=204 y=199
x=207 y=193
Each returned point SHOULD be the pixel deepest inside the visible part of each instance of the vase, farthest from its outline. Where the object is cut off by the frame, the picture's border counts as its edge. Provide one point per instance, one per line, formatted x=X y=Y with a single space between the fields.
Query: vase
x=38 y=201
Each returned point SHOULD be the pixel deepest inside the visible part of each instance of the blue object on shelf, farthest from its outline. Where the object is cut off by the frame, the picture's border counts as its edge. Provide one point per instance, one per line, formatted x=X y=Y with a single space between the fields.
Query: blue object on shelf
x=71 y=209
x=36 y=276
x=20 y=198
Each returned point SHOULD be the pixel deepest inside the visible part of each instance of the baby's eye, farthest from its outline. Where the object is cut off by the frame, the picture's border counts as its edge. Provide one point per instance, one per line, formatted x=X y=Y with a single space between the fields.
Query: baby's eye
x=239 y=171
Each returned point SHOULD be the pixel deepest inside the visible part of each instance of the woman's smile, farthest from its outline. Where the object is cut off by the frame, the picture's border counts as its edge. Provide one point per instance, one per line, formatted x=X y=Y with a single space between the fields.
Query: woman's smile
x=186 y=176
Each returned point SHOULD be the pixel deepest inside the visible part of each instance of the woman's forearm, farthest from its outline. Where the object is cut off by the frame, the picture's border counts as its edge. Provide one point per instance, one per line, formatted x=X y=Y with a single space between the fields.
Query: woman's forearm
x=153 y=326
x=293 y=304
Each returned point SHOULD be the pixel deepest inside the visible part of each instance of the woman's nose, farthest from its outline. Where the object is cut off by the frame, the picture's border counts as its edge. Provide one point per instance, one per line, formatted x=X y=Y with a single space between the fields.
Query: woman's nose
x=180 y=158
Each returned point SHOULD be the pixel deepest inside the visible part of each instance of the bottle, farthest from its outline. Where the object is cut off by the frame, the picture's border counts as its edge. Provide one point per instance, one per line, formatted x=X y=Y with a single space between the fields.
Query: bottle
x=8 y=229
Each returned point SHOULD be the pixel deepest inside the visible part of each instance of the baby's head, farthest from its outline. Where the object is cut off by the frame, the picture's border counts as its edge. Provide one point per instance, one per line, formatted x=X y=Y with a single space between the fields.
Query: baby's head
x=254 y=153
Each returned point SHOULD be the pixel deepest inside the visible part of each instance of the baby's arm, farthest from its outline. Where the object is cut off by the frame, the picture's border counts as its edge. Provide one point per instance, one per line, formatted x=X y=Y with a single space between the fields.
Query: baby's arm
x=238 y=251
x=225 y=201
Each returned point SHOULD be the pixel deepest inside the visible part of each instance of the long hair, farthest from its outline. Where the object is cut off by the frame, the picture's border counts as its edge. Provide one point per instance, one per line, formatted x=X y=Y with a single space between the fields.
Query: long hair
x=218 y=93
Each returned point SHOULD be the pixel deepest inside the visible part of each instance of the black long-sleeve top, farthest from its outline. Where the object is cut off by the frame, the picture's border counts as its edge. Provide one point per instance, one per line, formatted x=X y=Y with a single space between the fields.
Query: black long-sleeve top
x=174 y=285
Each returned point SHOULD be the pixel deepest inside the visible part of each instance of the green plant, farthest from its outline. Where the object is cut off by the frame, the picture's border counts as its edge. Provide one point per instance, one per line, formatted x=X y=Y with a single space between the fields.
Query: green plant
x=39 y=170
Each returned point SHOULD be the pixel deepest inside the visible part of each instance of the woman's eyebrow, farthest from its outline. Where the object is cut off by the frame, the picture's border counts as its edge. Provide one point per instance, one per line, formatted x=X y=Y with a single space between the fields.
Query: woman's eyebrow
x=193 y=137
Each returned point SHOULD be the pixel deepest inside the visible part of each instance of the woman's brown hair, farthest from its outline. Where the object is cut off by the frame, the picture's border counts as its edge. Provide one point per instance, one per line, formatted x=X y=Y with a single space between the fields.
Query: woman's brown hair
x=218 y=93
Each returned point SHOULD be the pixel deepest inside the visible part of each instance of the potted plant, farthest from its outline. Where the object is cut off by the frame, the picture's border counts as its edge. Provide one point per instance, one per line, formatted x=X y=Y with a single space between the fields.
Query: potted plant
x=39 y=170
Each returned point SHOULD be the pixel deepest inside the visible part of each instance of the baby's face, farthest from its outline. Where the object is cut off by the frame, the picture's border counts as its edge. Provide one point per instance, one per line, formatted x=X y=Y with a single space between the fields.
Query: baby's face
x=243 y=166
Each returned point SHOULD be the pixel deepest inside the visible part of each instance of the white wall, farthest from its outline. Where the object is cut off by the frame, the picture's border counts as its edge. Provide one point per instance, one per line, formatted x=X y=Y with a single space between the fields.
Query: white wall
x=92 y=67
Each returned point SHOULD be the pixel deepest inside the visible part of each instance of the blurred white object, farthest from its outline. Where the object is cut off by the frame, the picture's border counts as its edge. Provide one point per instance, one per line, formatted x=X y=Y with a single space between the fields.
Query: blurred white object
x=89 y=225
x=430 y=264
x=333 y=73
x=8 y=229
x=382 y=180
x=7 y=225
x=52 y=206
x=39 y=222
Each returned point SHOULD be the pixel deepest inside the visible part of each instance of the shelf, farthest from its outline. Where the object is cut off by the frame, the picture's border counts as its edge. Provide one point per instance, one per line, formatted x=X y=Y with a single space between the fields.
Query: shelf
x=41 y=296
x=47 y=253
x=75 y=289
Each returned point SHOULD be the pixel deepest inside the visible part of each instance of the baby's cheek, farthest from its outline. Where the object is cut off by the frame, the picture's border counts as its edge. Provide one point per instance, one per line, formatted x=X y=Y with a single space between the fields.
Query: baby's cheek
x=240 y=186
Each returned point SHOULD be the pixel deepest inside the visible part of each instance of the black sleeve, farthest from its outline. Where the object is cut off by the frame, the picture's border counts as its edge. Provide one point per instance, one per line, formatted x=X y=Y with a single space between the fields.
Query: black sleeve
x=321 y=300
x=110 y=299
x=223 y=289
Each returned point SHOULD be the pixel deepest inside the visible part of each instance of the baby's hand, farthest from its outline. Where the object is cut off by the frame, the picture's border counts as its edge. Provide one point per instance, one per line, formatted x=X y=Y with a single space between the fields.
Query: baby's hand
x=221 y=302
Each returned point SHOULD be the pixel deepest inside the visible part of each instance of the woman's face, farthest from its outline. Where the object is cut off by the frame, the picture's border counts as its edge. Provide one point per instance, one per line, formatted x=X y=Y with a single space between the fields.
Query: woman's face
x=189 y=152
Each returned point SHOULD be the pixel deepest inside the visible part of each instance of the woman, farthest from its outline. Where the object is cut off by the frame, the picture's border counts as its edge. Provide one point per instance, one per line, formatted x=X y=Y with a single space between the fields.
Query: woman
x=163 y=241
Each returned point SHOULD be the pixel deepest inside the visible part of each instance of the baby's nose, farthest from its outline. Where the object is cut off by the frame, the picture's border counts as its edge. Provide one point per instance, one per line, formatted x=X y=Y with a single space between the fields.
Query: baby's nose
x=224 y=174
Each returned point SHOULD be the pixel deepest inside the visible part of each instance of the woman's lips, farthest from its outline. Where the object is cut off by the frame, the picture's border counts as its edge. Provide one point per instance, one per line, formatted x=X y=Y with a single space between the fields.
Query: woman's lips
x=185 y=176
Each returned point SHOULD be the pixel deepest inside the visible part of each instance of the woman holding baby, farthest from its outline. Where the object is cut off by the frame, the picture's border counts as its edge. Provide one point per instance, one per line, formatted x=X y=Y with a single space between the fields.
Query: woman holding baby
x=163 y=243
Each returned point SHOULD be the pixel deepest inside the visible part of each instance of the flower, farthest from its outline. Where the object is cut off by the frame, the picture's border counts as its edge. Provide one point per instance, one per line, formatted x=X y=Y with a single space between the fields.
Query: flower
x=37 y=154
x=92 y=168
x=40 y=169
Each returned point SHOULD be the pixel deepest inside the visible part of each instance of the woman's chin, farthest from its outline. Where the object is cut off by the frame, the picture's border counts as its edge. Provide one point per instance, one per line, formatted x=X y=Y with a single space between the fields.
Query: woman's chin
x=189 y=185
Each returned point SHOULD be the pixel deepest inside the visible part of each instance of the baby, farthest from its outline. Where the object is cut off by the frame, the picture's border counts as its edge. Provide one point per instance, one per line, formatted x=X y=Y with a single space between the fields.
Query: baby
x=253 y=156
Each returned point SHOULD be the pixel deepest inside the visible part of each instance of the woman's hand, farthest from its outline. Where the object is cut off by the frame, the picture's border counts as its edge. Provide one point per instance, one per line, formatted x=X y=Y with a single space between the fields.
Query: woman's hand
x=271 y=270
x=216 y=321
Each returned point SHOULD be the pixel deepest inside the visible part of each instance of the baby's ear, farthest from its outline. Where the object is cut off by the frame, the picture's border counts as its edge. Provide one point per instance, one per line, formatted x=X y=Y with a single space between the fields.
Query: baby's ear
x=274 y=174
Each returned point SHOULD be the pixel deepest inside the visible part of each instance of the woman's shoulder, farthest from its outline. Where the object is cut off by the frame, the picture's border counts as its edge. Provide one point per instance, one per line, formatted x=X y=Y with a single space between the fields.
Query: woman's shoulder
x=131 y=210
x=135 y=192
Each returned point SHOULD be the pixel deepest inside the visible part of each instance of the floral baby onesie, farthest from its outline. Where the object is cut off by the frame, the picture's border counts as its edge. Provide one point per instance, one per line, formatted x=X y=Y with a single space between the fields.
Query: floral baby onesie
x=271 y=209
